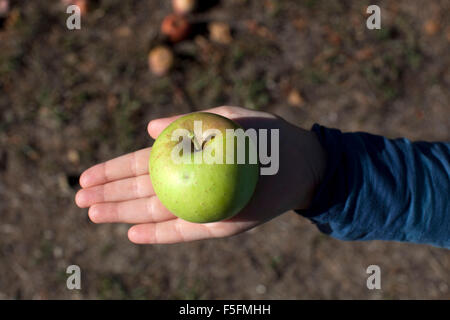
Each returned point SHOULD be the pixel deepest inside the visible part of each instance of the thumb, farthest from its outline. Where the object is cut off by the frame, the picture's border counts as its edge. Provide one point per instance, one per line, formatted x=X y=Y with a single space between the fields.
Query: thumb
x=155 y=127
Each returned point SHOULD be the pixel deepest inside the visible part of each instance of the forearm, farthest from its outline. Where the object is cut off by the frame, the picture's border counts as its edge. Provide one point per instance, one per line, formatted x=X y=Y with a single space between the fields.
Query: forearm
x=376 y=188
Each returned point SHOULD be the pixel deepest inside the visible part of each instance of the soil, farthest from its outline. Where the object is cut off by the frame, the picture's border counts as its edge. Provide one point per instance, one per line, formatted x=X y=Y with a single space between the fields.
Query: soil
x=70 y=99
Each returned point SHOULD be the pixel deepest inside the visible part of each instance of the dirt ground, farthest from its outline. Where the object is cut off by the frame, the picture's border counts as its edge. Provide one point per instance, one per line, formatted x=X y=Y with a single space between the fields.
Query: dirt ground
x=70 y=99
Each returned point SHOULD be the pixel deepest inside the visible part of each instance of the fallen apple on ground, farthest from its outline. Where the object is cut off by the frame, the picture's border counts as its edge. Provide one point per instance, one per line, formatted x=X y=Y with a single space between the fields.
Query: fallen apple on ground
x=176 y=27
x=184 y=6
x=160 y=60
x=202 y=192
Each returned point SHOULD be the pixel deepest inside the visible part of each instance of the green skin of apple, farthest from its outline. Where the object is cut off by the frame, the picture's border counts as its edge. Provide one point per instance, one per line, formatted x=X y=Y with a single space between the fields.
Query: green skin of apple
x=203 y=192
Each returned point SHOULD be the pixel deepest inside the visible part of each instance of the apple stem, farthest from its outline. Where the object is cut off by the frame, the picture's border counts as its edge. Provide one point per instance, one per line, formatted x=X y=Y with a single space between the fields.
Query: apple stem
x=197 y=145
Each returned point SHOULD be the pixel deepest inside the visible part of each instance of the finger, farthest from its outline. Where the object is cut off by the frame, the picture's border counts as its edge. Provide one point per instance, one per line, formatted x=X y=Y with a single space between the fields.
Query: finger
x=144 y=210
x=155 y=127
x=121 y=190
x=129 y=165
x=172 y=231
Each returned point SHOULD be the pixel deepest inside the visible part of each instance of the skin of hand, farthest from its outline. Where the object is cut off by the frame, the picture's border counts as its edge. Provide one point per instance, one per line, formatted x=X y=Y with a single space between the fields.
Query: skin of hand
x=120 y=190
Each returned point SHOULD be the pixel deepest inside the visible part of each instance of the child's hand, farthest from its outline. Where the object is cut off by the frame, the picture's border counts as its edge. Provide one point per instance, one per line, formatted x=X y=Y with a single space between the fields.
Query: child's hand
x=120 y=190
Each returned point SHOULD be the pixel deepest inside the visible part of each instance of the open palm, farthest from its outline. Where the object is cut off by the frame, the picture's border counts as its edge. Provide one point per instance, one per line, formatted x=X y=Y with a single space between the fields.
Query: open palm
x=120 y=190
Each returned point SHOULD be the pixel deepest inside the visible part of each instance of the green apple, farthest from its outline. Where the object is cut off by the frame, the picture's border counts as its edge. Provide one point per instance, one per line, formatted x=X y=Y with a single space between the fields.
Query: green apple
x=208 y=182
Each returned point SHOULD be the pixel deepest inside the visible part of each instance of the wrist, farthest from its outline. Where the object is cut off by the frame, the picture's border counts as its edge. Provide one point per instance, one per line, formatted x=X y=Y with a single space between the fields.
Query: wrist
x=319 y=160
x=312 y=159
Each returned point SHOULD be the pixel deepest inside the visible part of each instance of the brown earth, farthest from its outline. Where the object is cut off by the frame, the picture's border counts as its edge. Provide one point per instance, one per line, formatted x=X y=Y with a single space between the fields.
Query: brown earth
x=69 y=99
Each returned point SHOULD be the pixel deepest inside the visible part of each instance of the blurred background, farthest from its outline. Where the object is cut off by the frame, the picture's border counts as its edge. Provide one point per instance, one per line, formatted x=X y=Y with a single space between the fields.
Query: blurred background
x=70 y=99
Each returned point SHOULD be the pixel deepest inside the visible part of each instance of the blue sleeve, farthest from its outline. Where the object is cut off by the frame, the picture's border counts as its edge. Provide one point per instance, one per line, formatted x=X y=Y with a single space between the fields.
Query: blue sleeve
x=380 y=189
